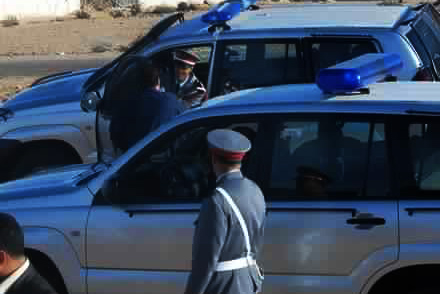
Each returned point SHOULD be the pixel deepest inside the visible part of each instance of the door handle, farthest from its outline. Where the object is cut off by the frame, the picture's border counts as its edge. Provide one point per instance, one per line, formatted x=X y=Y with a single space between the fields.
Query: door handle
x=369 y=221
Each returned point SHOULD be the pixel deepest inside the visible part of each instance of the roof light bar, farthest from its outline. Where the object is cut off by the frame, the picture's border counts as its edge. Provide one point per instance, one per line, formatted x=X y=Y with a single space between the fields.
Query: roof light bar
x=358 y=73
x=227 y=11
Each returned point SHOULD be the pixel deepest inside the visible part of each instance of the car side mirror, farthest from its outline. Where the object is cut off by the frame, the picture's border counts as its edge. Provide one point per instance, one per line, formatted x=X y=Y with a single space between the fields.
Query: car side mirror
x=90 y=101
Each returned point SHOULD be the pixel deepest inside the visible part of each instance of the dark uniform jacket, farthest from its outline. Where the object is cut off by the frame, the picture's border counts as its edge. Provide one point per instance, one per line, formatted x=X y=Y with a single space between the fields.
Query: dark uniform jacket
x=136 y=118
x=219 y=237
x=192 y=92
x=30 y=283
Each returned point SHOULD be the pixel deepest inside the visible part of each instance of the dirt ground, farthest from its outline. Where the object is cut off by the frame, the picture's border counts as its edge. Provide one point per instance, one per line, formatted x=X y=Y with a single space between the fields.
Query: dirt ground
x=70 y=38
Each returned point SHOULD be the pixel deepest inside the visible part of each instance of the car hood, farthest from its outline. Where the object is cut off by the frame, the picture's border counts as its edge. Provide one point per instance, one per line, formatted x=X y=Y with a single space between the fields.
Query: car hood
x=62 y=89
x=50 y=182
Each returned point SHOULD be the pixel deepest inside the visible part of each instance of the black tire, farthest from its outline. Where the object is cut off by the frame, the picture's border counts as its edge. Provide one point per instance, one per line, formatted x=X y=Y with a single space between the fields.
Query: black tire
x=47 y=269
x=422 y=285
x=42 y=157
x=424 y=290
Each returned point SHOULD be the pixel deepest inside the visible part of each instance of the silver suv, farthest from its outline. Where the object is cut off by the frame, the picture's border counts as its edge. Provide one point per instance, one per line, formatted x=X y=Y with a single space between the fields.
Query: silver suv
x=288 y=44
x=126 y=226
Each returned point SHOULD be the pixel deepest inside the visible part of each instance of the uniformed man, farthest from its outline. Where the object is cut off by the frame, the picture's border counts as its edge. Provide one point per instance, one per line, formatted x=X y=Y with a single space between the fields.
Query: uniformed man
x=187 y=86
x=229 y=232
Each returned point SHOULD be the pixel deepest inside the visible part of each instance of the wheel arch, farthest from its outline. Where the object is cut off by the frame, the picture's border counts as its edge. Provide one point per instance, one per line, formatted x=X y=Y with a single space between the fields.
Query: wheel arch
x=56 y=143
x=47 y=269
x=408 y=273
x=50 y=245
x=71 y=135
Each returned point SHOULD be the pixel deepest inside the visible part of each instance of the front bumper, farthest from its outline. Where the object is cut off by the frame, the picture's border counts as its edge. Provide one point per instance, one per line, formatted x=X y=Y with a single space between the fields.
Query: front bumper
x=8 y=150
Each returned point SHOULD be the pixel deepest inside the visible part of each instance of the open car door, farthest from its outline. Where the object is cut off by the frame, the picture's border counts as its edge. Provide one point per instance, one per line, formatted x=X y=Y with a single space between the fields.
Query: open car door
x=157 y=30
x=119 y=84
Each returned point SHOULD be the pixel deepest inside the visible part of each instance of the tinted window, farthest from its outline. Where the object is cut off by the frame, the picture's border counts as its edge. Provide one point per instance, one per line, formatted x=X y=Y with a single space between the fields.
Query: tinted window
x=328 y=52
x=255 y=64
x=178 y=168
x=429 y=31
x=425 y=155
x=338 y=150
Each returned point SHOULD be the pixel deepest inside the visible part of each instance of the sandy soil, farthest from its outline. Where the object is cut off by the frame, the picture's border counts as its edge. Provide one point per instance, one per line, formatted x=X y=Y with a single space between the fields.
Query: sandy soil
x=71 y=39
x=71 y=36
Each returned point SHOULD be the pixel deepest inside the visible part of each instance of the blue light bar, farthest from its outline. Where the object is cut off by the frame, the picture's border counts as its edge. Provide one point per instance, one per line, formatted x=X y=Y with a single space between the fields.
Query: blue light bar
x=227 y=11
x=358 y=73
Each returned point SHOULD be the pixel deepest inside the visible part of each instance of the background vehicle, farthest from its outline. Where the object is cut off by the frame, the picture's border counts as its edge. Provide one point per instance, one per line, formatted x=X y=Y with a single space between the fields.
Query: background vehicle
x=271 y=46
x=375 y=228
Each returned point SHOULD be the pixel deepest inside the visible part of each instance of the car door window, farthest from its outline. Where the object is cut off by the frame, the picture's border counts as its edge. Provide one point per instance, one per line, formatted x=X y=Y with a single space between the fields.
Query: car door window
x=164 y=61
x=425 y=155
x=251 y=64
x=342 y=156
x=178 y=168
x=329 y=52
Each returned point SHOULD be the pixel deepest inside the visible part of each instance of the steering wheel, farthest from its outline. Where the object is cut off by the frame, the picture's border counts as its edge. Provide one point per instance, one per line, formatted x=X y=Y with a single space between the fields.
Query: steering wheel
x=182 y=180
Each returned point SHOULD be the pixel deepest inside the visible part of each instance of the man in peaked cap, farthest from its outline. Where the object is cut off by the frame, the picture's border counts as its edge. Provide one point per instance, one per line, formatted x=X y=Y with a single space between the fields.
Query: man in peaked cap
x=229 y=231
x=187 y=87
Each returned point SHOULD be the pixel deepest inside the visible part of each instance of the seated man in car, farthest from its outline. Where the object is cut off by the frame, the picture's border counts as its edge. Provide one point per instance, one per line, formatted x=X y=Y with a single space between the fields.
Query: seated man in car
x=187 y=86
x=134 y=121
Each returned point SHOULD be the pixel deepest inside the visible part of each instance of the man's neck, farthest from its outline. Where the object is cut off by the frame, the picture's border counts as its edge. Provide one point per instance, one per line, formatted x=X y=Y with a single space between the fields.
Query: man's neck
x=222 y=174
x=16 y=264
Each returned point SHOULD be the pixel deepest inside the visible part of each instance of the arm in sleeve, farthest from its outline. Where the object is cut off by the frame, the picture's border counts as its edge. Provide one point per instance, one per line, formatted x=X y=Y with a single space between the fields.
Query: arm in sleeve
x=208 y=243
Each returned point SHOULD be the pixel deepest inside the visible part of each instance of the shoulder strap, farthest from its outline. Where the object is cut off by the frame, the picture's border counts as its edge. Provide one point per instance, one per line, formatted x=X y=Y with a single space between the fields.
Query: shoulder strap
x=239 y=217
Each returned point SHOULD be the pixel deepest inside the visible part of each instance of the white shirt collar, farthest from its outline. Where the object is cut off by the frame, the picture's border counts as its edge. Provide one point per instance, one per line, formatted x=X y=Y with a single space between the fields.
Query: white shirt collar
x=14 y=277
x=226 y=173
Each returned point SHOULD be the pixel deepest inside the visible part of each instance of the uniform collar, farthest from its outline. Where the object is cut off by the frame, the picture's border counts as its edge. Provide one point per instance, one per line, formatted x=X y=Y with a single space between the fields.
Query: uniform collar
x=6 y=284
x=222 y=176
x=152 y=90
x=189 y=77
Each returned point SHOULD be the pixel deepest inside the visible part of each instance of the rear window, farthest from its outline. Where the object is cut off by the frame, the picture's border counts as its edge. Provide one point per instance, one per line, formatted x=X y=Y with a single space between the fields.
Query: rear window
x=428 y=29
x=251 y=64
x=416 y=42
